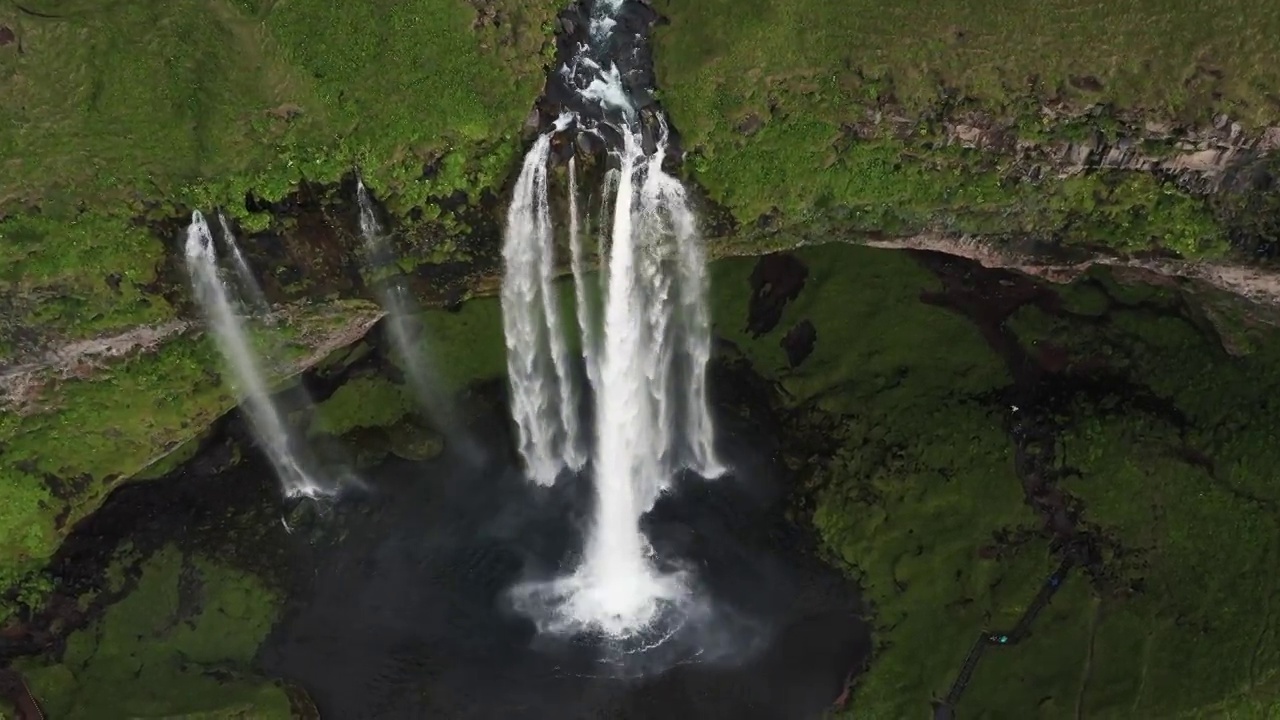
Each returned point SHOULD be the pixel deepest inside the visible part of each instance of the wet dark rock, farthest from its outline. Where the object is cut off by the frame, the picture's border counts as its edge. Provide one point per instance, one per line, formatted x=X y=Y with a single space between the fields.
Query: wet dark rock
x=532 y=122
x=588 y=143
x=14 y=689
x=626 y=49
x=798 y=342
x=776 y=280
x=431 y=169
x=1085 y=82
x=562 y=148
x=750 y=125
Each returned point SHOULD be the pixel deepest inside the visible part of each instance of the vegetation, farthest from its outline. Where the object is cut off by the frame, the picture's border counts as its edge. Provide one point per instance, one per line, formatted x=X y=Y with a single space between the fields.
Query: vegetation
x=79 y=278
x=364 y=402
x=1169 y=441
x=809 y=109
x=467 y=345
x=1140 y=55
x=185 y=100
x=86 y=435
x=180 y=644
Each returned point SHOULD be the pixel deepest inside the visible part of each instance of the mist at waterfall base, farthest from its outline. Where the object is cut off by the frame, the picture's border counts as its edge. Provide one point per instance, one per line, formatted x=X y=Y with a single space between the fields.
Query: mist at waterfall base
x=402 y=606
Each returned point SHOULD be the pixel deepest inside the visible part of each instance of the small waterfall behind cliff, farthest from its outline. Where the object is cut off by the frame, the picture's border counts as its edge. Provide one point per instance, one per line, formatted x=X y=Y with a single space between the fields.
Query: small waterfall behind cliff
x=543 y=398
x=228 y=330
x=401 y=322
x=647 y=366
x=248 y=284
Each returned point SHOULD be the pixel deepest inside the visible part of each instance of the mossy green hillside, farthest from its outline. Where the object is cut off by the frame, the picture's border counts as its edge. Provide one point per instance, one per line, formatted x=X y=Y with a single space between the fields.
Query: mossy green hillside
x=139 y=111
x=84 y=436
x=364 y=402
x=1188 y=489
x=1171 y=444
x=180 y=644
x=376 y=416
x=768 y=99
x=895 y=186
x=115 y=105
x=83 y=277
x=924 y=476
x=1141 y=54
x=466 y=345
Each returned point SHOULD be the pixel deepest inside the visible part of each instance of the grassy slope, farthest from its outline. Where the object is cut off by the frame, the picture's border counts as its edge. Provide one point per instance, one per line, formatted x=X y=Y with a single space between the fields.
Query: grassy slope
x=808 y=67
x=97 y=432
x=178 y=645
x=167 y=98
x=925 y=477
x=117 y=110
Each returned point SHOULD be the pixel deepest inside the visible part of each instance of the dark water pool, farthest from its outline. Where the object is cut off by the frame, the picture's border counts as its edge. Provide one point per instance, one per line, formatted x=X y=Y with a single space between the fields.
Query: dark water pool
x=402 y=609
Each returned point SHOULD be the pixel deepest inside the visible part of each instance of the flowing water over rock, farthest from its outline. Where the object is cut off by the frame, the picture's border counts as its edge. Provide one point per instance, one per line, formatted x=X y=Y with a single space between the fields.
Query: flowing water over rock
x=543 y=399
x=647 y=367
x=296 y=474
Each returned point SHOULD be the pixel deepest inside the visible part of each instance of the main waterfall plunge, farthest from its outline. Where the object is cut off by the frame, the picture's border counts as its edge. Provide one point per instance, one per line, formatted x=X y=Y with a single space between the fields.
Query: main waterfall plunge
x=645 y=363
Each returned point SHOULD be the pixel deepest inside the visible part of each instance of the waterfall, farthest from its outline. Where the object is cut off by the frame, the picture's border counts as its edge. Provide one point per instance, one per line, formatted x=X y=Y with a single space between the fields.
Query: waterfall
x=248 y=283
x=543 y=399
x=215 y=300
x=646 y=361
x=402 y=314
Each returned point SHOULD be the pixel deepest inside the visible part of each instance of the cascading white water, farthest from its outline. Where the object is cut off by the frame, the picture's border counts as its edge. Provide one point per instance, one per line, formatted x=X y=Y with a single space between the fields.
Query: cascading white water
x=543 y=398
x=647 y=366
x=228 y=330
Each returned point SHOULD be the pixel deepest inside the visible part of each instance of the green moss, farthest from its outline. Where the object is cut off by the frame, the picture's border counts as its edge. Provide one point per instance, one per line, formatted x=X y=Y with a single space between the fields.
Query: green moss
x=871 y=326
x=365 y=402
x=174 y=459
x=61 y=459
x=466 y=345
x=1143 y=54
x=767 y=99
x=905 y=187
x=80 y=276
x=1179 y=624
x=146 y=110
x=410 y=441
x=924 y=478
x=165 y=97
x=179 y=645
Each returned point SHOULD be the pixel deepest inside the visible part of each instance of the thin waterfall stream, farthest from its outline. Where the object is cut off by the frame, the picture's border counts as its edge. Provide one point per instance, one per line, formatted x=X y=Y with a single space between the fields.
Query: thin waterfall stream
x=248 y=378
x=405 y=334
